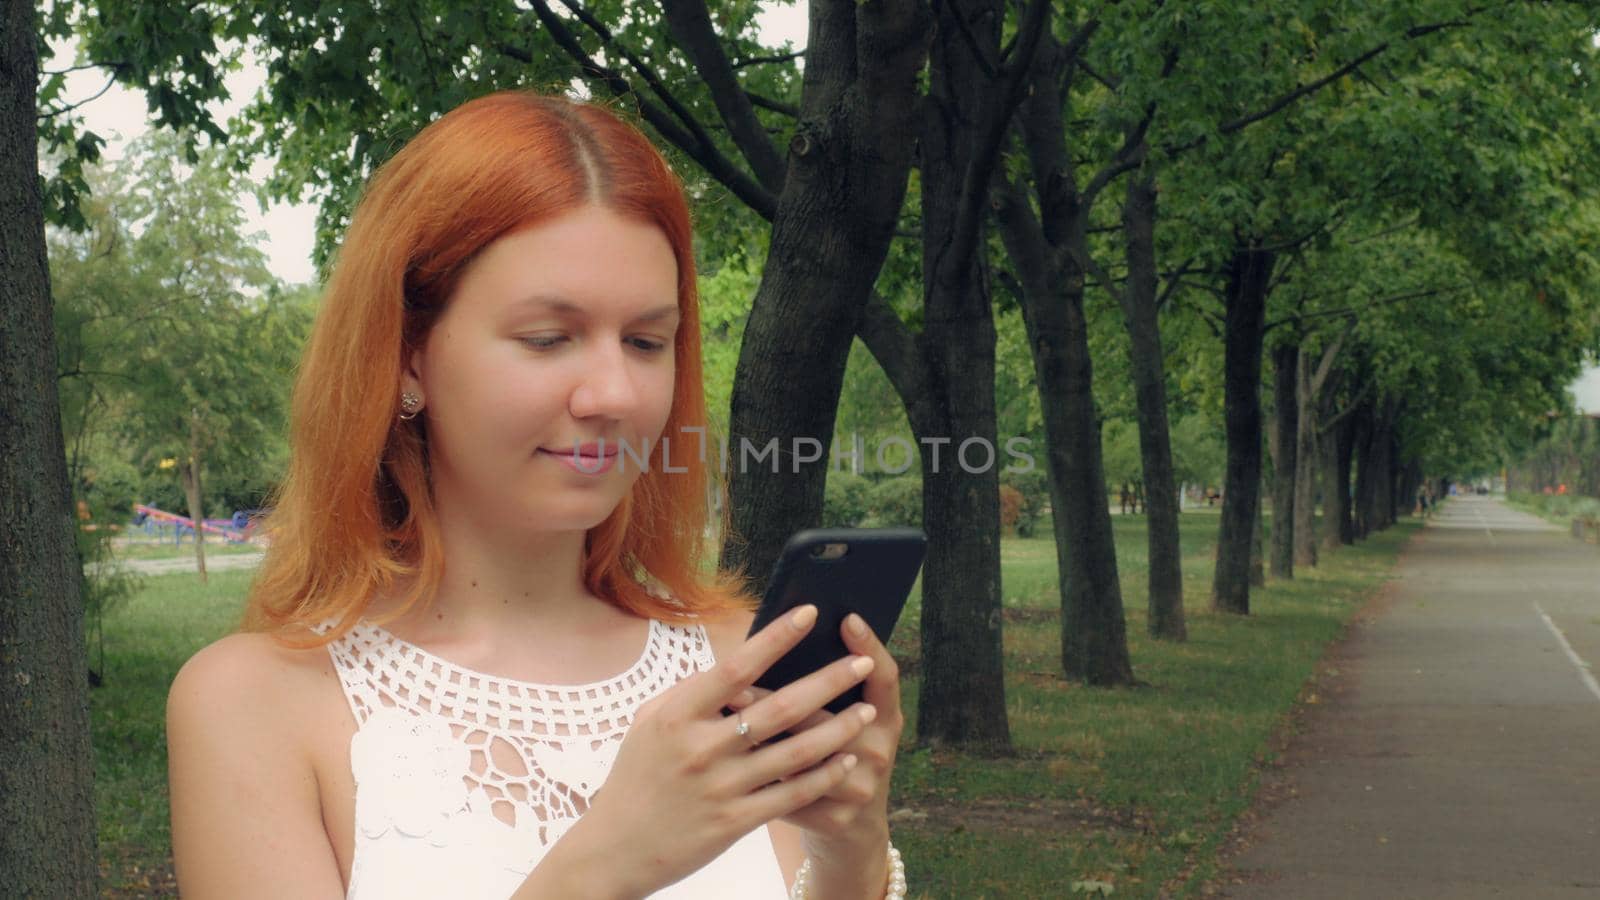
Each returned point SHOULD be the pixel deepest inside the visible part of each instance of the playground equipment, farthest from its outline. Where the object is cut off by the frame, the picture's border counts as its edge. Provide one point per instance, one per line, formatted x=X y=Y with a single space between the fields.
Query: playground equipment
x=237 y=530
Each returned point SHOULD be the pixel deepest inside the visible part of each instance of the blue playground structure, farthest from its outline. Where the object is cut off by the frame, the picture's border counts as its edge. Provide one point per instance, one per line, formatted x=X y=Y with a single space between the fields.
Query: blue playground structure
x=159 y=523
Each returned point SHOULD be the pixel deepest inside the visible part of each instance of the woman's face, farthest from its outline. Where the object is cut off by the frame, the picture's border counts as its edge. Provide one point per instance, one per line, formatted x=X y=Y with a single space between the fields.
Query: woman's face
x=558 y=335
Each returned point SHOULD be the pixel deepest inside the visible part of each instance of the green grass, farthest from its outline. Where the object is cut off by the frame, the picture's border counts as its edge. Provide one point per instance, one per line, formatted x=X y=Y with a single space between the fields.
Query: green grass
x=1134 y=788
x=147 y=638
x=1131 y=787
x=1559 y=509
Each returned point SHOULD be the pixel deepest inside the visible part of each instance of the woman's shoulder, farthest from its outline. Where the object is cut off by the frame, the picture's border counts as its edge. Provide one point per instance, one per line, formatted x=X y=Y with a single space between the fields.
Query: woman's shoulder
x=256 y=654
x=249 y=677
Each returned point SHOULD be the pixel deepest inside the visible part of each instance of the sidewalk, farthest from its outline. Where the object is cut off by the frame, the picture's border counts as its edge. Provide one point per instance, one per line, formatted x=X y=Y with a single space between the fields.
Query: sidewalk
x=215 y=562
x=1455 y=752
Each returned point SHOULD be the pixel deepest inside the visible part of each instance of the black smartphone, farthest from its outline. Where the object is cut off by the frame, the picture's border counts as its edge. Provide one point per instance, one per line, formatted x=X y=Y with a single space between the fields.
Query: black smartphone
x=839 y=570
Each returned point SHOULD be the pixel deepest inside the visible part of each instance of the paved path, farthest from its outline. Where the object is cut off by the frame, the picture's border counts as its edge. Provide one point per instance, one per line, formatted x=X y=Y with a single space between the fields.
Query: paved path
x=1457 y=755
x=215 y=562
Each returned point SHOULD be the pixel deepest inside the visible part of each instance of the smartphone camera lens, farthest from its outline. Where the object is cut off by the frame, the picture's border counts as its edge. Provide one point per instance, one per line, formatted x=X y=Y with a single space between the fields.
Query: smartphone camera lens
x=830 y=550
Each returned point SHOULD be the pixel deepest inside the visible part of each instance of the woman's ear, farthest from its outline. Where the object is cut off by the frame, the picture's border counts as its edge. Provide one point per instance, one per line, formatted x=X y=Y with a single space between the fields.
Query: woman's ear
x=411 y=368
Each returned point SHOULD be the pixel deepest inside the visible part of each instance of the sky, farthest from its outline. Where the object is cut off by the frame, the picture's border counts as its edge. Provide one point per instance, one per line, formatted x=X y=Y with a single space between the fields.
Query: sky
x=288 y=228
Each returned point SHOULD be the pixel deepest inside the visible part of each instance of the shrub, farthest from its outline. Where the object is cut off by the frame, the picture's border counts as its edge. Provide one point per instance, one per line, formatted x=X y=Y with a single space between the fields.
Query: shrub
x=1034 y=486
x=1011 y=503
x=894 y=501
x=844 y=502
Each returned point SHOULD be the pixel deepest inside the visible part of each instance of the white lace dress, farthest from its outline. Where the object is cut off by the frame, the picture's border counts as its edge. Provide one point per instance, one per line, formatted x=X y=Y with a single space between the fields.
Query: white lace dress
x=464 y=780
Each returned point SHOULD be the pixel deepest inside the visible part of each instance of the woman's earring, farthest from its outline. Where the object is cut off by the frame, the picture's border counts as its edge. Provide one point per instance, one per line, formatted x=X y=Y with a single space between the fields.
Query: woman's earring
x=410 y=405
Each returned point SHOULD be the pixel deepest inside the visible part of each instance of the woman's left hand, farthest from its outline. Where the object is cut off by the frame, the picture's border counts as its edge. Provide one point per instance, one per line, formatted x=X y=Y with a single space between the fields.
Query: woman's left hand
x=851 y=822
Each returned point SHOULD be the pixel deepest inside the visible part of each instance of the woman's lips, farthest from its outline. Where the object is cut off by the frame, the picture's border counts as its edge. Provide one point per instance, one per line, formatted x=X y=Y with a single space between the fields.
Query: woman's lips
x=585 y=464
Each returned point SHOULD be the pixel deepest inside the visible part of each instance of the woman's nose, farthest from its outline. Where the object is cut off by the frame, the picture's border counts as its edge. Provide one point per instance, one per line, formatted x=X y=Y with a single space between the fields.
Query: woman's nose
x=605 y=385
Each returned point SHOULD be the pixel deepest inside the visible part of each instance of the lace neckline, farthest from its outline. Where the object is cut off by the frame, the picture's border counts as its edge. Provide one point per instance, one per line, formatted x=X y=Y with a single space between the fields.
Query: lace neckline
x=626 y=676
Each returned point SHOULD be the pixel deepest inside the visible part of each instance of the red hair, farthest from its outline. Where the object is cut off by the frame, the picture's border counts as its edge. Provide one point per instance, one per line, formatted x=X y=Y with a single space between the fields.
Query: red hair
x=354 y=515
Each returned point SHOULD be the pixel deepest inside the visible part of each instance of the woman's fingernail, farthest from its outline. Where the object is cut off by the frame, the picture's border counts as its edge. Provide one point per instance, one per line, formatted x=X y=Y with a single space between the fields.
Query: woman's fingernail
x=858 y=625
x=803 y=617
x=862 y=665
x=867 y=713
x=745 y=698
x=849 y=761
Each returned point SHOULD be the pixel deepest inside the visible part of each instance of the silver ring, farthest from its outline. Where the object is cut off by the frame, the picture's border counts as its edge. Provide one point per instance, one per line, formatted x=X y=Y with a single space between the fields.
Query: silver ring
x=743 y=730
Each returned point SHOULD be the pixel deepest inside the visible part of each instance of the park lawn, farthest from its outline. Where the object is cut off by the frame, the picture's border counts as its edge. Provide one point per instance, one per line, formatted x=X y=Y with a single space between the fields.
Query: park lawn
x=1128 y=788
x=147 y=638
x=1128 y=791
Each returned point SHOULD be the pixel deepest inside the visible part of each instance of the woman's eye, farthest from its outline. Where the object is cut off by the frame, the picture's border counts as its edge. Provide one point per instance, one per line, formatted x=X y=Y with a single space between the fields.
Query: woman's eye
x=648 y=346
x=543 y=341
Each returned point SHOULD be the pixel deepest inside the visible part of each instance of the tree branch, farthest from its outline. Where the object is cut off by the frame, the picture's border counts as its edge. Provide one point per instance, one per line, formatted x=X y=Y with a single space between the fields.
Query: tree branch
x=895 y=348
x=693 y=141
x=1403 y=226
x=975 y=181
x=760 y=60
x=1354 y=404
x=1374 y=304
x=87 y=65
x=1111 y=83
x=1319 y=378
x=990 y=67
x=1285 y=100
x=1026 y=244
x=1174 y=279
x=690 y=25
x=788 y=109
x=1134 y=148
x=56 y=111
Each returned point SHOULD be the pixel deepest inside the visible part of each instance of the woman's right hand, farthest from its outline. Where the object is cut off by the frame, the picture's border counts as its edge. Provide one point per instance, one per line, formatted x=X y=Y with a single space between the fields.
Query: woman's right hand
x=686 y=785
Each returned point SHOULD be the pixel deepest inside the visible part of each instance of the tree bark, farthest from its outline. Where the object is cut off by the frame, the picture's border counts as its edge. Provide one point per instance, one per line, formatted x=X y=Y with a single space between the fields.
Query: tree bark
x=1382 y=513
x=47 y=812
x=1140 y=315
x=1335 y=459
x=1094 y=646
x=1258 y=558
x=1375 y=476
x=1366 y=480
x=1248 y=277
x=1305 y=471
x=841 y=196
x=945 y=376
x=1285 y=455
x=194 y=496
x=1048 y=256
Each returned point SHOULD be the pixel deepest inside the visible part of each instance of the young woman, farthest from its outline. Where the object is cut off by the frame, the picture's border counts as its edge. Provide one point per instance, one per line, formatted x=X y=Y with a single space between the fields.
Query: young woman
x=482 y=658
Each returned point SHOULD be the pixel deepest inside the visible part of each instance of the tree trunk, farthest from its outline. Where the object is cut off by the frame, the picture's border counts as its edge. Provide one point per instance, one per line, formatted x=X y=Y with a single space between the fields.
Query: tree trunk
x=1305 y=471
x=1382 y=514
x=1140 y=315
x=1285 y=455
x=47 y=813
x=1335 y=459
x=962 y=698
x=945 y=377
x=194 y=496
x=1094 y=647
x=1366 y=480
x=1248 y=276
x=1375 y=477
x=1048 y=254
x=841 y=196
x=1346 y=449
x=1258 y=558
